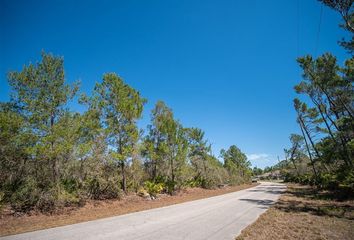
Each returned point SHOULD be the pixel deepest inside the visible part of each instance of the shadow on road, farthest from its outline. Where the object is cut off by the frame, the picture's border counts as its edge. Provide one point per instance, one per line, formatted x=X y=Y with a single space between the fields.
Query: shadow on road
x=273 y=191
x=265 y=203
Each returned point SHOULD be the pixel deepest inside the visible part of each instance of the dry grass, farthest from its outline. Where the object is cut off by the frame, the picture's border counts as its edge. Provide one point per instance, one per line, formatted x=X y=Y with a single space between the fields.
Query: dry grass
x=10 y=224
x=304 y=213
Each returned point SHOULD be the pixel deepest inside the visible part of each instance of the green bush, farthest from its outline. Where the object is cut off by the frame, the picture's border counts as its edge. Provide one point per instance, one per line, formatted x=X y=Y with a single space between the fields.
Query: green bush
x=2 y=195
x=54 y=199
x=328 y=181
x=153 y=188
x=349 y=180
x=25 y=197
x=70 y=185
x=70 y=198
x=103 y=189
x=170 y=186
x=48 y=201
x=347 y=184
x=192 y=183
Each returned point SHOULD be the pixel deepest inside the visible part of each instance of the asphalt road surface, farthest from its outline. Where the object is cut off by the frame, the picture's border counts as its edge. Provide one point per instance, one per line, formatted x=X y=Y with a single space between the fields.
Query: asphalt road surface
x=220 y=217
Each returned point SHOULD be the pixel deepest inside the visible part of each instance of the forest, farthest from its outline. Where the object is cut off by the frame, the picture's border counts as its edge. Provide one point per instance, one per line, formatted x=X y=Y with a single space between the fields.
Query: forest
x=51 y=156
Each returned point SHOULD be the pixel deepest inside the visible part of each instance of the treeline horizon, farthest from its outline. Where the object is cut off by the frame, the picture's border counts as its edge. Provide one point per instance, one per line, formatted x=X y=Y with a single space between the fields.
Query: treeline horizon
x=52 y=156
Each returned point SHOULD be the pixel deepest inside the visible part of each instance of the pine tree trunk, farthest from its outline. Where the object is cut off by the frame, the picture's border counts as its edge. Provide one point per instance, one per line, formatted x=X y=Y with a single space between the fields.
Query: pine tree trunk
x=54 y=160
x=124 y=180
x=308 y=148
x=292 y=159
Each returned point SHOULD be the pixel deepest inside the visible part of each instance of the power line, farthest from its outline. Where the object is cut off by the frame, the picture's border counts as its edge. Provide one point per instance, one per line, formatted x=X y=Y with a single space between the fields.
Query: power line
x=318 y=31
x=298 y=30
x=298 y=35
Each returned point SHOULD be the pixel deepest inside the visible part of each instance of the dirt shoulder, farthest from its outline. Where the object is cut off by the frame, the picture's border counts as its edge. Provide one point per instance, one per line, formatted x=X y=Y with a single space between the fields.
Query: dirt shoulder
x=304 y=213
x=10 y=224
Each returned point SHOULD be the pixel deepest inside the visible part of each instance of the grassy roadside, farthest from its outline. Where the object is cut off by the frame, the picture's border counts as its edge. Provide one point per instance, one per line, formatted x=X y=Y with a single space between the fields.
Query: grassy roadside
x=11 y=224
x=304 y=213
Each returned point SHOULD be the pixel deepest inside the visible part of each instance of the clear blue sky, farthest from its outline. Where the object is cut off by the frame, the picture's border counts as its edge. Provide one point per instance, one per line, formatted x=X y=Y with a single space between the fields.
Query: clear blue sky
x=227 y=67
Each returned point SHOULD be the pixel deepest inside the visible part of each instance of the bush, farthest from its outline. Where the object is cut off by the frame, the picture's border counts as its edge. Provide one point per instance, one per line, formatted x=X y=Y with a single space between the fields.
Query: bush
x=142 y=192
x=66 y=198
x=70 y=185
x=48 y=201
x=346 y=185
x=349 y=180
x=170 y=186
x=305 y=179
x=192 y=183
x=2 y=195
x=25 y=197
x=328 y=181
x=103 y=189
x=153 y=188
x=235 y=179
x=53 y=200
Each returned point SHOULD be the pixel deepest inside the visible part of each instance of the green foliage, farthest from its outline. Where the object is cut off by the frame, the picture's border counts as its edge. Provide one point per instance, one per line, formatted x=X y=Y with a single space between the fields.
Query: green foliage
x=347 y=183
x=99 y=188
x=2 y=195
x=329 y=114
x=345 y=8
x=256 y=171
x=166 y=147
x=192 y=183
x=237 y=165
x=170 y=186
x=120 y=106
x=26 y=196
x=51 y=157
x=136 y=175
x=153 y=188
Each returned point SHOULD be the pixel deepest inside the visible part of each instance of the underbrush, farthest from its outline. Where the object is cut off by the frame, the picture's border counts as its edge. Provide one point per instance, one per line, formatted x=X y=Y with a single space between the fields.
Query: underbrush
x=342 y=183
x=29 y=195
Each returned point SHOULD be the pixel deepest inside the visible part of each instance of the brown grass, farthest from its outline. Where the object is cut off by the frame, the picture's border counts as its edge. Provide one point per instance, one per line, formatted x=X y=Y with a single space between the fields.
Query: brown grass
x=304 y=213
x=11 y=224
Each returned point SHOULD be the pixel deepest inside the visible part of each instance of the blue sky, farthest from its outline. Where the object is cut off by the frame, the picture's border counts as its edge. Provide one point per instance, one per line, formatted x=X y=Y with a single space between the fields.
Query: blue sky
x=227 y=67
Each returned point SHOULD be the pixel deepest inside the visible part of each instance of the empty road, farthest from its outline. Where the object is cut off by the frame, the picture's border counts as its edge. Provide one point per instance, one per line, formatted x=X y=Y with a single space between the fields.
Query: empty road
x=220 y=217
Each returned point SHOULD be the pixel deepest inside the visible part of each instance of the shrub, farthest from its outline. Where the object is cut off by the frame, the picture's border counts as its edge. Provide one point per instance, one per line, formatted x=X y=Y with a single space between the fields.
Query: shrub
x=198 y=182
x=48 y=201
x=170 y=186
x=235 y=179
x=70 y=185
x=142 y=192
x=153 y=188
x=2 y=195
x=25 y=197
x=347 y=184
x=349 y=180
x=103 y=189
x=66 y=198
x=328 y=181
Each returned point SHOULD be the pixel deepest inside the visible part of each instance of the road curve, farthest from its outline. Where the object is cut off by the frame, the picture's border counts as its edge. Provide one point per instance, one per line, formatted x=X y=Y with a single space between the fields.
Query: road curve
x=220 y=217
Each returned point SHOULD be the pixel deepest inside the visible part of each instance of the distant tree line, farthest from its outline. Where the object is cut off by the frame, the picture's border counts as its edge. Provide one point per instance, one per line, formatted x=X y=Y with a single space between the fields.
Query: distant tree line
x=51 y=156
x=322 y=154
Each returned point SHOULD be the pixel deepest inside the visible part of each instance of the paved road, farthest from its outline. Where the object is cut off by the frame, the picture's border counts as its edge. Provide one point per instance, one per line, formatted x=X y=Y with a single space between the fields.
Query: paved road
x=220 y=217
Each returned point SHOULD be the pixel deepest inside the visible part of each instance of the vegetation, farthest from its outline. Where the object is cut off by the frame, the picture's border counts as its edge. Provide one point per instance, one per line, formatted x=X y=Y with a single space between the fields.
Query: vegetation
x=304 y=212
x=322 y=154
x=19 y=223
x=51 y=156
